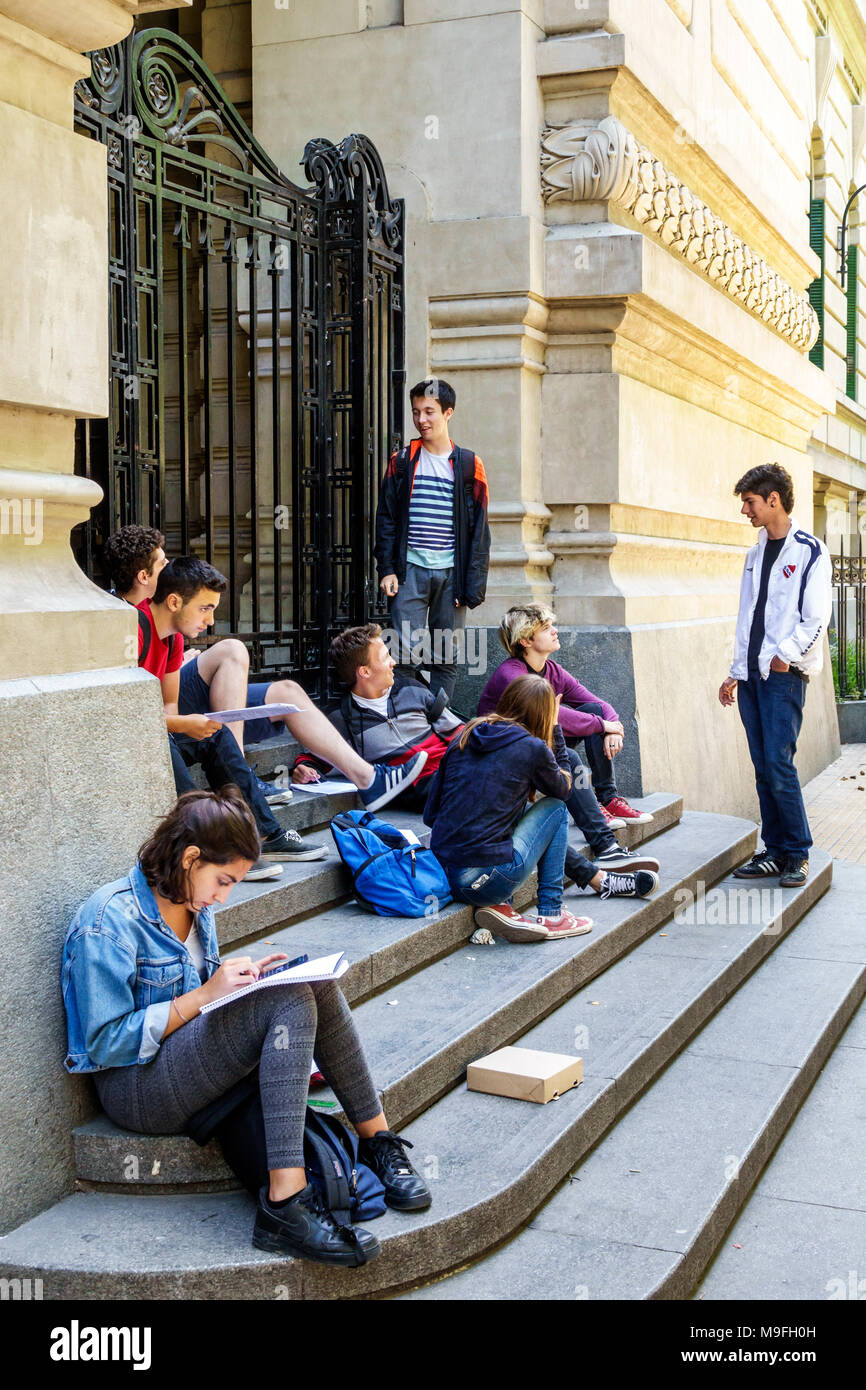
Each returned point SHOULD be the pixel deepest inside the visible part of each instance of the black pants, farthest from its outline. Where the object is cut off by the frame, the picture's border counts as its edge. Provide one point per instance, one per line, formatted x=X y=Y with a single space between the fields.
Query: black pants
x=601 y=767
x=223 y=762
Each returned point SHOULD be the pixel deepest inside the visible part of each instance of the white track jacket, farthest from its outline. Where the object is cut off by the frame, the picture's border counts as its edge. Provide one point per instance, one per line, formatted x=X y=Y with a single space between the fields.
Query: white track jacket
x=798 y=608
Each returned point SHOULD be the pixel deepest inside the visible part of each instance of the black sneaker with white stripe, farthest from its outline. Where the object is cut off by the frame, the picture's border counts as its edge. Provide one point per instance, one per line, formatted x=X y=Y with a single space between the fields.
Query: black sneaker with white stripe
x=615 y=857
x=795 y=871
x=761 y=865
x=289 y=845
x=641 y=884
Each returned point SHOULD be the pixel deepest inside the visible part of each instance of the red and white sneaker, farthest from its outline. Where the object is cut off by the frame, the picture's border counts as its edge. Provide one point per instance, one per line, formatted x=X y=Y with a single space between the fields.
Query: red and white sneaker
x=566 y=924
x=504 y=921
x=618 y=806
x=613 y=822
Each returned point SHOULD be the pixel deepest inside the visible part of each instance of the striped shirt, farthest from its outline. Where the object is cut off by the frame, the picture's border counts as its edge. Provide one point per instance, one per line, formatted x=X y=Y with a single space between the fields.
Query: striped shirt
x=431 y=512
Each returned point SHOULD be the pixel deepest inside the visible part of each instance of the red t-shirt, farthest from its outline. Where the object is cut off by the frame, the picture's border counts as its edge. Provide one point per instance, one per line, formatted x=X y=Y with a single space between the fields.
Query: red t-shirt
x=164 y=655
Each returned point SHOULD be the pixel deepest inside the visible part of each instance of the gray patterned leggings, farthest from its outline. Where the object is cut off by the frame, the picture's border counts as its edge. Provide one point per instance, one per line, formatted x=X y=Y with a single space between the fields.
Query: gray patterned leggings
x=276 y=1030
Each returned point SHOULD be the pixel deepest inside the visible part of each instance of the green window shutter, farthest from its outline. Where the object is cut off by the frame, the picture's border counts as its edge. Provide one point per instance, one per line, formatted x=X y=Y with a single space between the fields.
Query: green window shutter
x=816 y=289
x=851 y=348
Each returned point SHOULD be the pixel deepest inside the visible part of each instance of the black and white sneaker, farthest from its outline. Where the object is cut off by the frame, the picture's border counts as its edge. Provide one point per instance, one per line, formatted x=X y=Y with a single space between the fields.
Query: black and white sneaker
x=761 y=865
x=263 y=870
x=795 y=872
x=615 y=857
x=289 y=845
x=389 y=782
x=273 y=794
x=641 y=884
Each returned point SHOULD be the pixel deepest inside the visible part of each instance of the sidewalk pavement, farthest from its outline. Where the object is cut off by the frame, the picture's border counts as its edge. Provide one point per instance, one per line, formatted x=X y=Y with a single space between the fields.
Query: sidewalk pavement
x=836 y=805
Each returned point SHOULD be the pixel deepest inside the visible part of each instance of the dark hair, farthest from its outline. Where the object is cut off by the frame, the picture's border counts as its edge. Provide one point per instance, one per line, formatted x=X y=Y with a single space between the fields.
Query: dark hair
x=186 y=576
x=436 y=389
x=527 y=700
x=767 y=478
x=220 y=824
x=129 y=550
x=350 y=648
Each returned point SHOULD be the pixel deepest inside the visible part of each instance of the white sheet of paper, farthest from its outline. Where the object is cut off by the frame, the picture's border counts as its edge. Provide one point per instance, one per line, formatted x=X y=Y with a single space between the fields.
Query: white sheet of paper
x=324 y=788
x=231 y=716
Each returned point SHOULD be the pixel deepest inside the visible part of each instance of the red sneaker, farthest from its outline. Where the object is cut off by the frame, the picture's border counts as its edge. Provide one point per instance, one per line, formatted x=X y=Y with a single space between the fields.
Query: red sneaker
x=618 y=806
x=613 y=822
x=502 y=920
x=566 y=924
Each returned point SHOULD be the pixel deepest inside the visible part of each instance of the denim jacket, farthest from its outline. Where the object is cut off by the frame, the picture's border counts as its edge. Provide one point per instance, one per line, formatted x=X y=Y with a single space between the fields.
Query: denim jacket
x=119 y=961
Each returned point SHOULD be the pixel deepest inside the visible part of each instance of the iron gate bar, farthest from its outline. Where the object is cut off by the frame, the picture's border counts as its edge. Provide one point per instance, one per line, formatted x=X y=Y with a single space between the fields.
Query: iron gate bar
x=172 y=138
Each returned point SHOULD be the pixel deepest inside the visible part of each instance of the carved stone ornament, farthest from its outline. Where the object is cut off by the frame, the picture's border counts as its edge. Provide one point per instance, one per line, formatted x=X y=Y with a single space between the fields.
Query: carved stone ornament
x=605 y=163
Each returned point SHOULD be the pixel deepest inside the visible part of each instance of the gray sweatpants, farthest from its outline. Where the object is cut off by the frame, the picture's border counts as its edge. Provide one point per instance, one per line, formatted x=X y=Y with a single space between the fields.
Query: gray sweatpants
x=276 y=1030
x=426 y=622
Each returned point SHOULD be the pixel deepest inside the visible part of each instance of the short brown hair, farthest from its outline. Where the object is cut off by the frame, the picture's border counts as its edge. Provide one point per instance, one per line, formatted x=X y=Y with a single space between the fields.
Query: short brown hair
x=129 y=550
x=350 y=649
x=220 y=824
x=766 y=478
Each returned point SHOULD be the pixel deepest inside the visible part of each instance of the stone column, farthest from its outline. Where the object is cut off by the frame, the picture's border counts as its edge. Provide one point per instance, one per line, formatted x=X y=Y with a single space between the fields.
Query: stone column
x=86 y=767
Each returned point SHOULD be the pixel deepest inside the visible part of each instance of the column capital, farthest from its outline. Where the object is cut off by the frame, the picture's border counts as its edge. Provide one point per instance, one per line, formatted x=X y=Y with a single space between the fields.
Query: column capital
x=83 y=25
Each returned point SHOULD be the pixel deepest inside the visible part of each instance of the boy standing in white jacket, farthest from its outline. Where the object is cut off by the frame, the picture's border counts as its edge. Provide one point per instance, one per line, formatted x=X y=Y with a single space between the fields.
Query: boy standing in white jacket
x=785 y=606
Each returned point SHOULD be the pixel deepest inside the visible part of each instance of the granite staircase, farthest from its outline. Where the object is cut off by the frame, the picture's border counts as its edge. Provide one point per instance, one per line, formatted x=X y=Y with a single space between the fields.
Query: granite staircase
x=658 y=999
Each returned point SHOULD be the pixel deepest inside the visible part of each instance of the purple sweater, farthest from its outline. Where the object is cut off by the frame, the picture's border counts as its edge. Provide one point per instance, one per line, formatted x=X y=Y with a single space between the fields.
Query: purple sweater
x=572 y=722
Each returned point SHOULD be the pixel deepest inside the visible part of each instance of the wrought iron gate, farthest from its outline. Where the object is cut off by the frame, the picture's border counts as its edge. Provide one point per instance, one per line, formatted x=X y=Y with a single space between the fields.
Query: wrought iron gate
x=257 y=358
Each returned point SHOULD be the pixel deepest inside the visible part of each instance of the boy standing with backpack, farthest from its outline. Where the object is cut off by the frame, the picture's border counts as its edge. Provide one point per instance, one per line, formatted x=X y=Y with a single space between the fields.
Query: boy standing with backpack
x=432 y=537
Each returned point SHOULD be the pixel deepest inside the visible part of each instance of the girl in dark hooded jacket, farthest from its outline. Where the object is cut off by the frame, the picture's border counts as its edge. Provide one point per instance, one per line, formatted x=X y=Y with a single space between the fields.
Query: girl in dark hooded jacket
x=486 y=840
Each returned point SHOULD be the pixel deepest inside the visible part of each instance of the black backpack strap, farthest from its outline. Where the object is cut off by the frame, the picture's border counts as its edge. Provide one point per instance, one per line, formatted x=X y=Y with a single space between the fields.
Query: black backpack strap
x=437 y=708
x=144 y=629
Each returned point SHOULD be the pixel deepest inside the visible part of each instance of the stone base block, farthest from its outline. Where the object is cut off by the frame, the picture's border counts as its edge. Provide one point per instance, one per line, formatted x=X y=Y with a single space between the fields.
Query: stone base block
x=663 y=680
x=86 y=776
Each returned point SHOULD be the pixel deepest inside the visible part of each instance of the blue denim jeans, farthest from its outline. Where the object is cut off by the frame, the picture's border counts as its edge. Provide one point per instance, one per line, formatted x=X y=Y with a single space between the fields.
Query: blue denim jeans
x=772 y=713
x=540 y=837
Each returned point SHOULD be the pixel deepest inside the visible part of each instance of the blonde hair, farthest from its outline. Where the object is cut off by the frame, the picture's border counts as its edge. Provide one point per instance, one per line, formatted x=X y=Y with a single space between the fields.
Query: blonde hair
x=521 y=623
x=528 y=701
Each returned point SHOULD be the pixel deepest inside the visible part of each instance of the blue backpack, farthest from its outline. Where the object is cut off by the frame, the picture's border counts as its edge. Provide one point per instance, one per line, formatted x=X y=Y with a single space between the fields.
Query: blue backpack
x=390 y=875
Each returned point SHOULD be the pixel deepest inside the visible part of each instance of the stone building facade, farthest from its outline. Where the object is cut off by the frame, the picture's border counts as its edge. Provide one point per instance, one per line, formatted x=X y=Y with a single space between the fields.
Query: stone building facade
x=623 y=219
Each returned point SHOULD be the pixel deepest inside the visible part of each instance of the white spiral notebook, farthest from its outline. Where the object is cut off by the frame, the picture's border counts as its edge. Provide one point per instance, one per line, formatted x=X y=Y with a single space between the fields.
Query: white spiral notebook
x=325 y=968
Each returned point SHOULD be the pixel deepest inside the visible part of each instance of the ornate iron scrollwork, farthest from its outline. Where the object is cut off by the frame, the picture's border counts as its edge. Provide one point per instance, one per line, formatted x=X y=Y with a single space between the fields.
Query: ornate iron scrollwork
x=338 y=170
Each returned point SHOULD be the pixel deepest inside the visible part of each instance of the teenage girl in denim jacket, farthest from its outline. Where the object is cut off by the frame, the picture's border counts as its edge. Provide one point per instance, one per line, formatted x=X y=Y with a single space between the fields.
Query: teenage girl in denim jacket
x=140 y=959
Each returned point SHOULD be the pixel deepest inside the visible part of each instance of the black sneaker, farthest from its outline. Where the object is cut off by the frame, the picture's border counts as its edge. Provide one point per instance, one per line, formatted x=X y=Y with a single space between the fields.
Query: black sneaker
x=795 y=872
x=761 y=865
x=304 y=1227
x=641 y=884
x=385 y=1153
x=262 y=869
x=289 y=845
x=615 y=857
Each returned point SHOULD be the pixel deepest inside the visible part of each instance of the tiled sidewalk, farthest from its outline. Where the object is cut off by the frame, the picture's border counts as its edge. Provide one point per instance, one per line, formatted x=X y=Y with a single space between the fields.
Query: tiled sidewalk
x=836 y=805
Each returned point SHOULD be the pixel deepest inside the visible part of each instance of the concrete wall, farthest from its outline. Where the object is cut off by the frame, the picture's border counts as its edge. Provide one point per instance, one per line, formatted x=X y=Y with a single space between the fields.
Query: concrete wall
x=86 y=769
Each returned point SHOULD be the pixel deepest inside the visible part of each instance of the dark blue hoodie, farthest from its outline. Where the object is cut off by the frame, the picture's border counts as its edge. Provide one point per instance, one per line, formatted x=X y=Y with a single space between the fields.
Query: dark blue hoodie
x=479 y=793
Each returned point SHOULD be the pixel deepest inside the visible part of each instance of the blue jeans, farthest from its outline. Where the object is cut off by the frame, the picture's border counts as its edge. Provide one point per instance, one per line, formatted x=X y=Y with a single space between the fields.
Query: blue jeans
x=772 y=713
x=540 y=837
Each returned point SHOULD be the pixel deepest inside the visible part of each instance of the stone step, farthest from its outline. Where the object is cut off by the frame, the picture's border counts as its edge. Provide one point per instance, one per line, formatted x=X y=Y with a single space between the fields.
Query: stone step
x=642 y=1217
x=802 y=1233
x=258 y=909
x=495 y=995
x=489 y=1159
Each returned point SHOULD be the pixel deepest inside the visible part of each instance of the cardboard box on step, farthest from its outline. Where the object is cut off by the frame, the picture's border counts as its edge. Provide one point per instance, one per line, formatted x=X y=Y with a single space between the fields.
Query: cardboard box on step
x=523 y=1074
